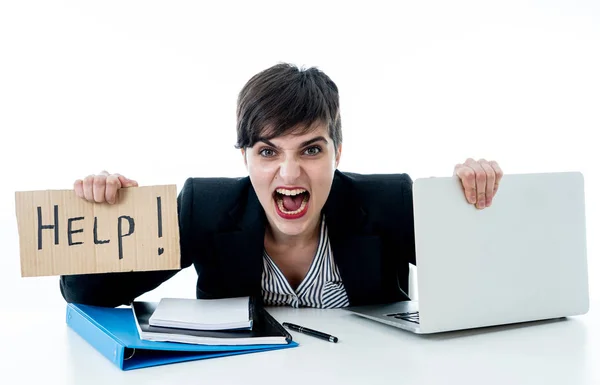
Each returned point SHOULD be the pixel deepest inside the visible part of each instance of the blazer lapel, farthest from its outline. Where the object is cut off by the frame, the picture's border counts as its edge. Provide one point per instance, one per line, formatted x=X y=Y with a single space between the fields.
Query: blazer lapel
x=239 y=248
x=356 y=251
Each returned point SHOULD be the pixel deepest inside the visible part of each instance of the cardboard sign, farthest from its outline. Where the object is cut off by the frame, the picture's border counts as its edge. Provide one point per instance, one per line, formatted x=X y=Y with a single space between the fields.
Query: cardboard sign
x=62 y=234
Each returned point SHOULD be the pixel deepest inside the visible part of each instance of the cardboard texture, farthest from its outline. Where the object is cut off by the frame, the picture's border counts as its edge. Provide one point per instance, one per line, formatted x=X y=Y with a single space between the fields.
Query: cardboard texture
x=62 y=234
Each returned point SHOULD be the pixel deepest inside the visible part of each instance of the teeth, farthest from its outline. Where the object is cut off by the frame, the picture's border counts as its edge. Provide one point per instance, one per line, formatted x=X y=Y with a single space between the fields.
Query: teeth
x=302 y=206
x=290 y=192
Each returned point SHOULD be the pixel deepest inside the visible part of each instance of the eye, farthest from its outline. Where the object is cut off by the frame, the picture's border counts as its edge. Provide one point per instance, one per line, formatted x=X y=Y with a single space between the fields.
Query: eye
x=267 y=152
x=312 y=151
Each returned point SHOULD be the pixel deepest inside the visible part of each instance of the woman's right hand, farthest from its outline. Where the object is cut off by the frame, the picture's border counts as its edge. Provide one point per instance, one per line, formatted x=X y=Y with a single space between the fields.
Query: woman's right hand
x=102 y=187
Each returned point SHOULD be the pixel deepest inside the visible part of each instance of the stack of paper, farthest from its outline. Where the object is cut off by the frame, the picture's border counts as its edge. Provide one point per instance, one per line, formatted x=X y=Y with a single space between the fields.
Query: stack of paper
x=227 y=321
x=204 y=314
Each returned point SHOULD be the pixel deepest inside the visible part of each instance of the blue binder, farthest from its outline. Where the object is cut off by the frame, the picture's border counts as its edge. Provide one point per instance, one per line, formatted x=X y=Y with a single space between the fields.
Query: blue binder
x=112 y=331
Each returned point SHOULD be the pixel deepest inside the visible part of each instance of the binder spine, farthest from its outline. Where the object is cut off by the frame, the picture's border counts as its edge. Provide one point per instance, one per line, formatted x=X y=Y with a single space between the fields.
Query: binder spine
x=95 y=336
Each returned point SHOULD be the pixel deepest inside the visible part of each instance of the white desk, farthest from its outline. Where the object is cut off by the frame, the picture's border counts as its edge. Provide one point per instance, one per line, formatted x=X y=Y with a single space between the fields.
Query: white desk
x=38 y=346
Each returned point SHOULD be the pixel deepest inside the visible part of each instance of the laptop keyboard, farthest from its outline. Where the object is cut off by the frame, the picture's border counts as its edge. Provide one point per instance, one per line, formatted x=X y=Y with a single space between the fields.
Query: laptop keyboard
x=408 y=316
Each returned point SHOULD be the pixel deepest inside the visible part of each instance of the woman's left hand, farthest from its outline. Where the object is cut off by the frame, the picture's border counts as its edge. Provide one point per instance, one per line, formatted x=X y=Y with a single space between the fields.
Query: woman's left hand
x=480 y=180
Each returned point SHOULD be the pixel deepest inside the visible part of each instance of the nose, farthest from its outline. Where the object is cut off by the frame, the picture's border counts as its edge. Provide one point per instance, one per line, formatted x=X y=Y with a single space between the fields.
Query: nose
x=289 y=170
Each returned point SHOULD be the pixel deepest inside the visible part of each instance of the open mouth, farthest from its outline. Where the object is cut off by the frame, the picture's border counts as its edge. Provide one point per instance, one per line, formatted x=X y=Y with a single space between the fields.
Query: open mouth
x=291 y=203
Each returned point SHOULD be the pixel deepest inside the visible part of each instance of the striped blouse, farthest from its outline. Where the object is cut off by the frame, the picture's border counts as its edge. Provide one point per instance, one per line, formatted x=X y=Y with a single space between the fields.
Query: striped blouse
x=322 y=286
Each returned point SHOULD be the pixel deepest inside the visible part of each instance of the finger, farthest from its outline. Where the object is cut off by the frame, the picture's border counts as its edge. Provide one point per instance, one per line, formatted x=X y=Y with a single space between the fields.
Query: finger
x=457 y=167
x=499 y=175
x=132 y=183
x=78 y=187
x=104 y=172
x=99 y=188
x=126 y=182
x=490 y=181
x=112 y=185
x=88 y=186
x=467 y=177
x=480 y=181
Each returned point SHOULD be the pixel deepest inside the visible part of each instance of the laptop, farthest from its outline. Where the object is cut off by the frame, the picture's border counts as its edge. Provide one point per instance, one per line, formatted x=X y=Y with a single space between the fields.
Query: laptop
x=522 y=259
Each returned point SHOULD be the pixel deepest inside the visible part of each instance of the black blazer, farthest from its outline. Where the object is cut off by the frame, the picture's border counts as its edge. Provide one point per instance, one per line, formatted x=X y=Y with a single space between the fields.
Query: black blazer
x=222 y=225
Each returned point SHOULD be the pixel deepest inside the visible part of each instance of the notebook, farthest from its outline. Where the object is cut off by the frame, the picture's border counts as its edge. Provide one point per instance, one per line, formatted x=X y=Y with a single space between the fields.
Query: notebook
x=204 y=314
x=265 y=330
x=112 y=332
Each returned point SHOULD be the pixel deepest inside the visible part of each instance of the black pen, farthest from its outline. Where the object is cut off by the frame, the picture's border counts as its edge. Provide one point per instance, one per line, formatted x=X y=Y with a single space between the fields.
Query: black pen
x=310 y=332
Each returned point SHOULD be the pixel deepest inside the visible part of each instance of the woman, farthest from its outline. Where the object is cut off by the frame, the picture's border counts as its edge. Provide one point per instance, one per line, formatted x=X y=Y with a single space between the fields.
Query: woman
x=296 y=231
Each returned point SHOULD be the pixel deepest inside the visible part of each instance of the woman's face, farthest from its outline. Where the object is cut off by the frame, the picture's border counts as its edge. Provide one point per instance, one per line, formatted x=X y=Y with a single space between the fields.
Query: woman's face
x=292 y=176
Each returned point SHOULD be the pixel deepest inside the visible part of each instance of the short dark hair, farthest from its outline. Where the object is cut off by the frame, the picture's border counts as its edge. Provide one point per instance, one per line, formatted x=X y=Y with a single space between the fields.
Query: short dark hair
x=285 y=97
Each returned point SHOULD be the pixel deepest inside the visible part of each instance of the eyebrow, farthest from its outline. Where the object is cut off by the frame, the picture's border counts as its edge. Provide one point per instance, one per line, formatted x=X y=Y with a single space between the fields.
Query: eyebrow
x=303 y=144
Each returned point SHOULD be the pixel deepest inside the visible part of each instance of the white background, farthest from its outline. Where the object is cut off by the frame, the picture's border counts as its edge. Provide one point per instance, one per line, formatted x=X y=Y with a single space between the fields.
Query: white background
x=149 y=88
